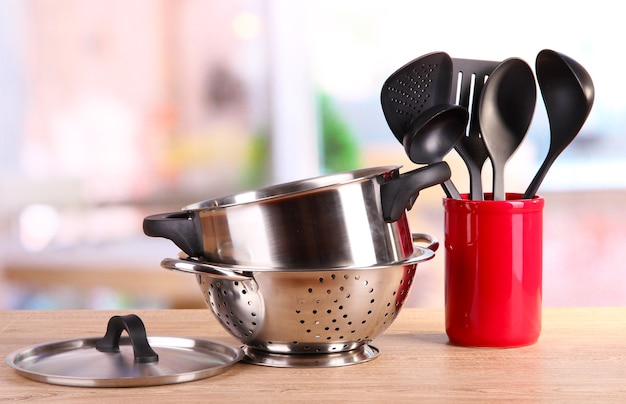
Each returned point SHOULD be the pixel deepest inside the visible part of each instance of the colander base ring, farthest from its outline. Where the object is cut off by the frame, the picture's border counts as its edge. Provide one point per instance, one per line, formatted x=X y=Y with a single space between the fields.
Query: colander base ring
x=363 y=353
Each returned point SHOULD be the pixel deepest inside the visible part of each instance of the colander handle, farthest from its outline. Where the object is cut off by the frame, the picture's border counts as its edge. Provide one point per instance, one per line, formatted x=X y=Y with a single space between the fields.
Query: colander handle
x=202 y=268
x=431 y=242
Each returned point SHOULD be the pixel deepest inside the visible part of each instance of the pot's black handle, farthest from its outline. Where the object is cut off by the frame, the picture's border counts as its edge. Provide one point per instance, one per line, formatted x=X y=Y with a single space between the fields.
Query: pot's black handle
x=180 y=227
x=137 y=333
x=399 y=194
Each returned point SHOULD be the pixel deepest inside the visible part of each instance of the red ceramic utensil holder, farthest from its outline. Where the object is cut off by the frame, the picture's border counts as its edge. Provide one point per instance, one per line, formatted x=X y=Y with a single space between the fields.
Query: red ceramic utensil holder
x=493 y=271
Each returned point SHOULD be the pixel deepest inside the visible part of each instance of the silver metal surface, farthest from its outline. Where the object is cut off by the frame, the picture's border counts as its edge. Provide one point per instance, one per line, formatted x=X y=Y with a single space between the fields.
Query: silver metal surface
x=307 y=312
x=363 y=353
x=78 y=363
x=329 y=221
x=242 y=273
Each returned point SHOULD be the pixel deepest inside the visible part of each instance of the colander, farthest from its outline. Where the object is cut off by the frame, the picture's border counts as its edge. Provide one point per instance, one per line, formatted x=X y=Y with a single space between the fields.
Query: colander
x=322 y=317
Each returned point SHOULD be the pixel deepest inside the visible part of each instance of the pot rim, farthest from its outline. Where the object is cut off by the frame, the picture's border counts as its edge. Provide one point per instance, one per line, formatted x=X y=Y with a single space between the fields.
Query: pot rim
x=184 y=263
x=287 y=189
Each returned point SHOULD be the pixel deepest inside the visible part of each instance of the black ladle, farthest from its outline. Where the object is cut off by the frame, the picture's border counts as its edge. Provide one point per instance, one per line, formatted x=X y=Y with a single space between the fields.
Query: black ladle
x=433 y=134
x=415 y=103
x=568 y=93
x=506 y=109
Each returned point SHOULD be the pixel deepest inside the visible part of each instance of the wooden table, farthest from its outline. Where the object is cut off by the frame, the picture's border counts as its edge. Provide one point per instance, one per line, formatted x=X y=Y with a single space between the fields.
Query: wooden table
x=580 y=357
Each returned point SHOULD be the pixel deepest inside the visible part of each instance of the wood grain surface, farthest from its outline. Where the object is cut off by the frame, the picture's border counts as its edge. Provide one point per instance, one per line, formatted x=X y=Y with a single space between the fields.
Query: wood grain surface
x=580 y=356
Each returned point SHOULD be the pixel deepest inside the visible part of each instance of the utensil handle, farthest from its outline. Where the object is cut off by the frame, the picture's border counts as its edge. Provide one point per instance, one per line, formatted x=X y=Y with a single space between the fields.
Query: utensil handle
x=203 y=268
x=540 y=175
x=399 y=194
x=450 y=189
x=431 y=241
x=180 y=227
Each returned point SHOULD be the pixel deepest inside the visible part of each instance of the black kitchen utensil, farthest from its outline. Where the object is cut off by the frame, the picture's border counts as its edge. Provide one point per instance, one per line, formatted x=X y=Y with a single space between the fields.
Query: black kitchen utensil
x=568 y=93
x=415 y=103
x=468 y=79
x=506 y=108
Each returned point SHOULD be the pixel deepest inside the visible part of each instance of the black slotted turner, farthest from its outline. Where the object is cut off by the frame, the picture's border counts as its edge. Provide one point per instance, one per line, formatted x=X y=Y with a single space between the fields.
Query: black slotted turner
x=468 y=80
x=414 y=88
x=415 y=102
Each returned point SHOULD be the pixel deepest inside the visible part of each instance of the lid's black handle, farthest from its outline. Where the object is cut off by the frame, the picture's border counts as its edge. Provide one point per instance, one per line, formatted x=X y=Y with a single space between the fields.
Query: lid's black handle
x=138 y=338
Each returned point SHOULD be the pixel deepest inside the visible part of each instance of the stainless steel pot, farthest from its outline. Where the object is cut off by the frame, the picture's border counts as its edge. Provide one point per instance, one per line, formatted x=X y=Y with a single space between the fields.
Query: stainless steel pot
x=355 y=218
x=322 y=317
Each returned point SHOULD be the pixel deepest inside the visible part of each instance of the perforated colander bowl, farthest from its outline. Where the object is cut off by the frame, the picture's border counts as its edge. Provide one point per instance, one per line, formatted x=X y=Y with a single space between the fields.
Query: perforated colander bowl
x=305 y=312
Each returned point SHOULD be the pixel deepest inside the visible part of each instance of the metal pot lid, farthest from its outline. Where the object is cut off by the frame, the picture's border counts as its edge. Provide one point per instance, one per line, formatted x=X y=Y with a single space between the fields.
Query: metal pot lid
x=130 y=361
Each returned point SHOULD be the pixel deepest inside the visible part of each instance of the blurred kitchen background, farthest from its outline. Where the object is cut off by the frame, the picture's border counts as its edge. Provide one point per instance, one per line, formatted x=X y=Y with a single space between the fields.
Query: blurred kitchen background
x=111 y=110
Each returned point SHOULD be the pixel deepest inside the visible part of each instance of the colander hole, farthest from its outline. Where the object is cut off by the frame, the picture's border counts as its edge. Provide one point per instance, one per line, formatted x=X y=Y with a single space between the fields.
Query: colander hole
x=316 y=322
x=336 y=328
x=340 y=307
x=365 y=283
x=372 y=290
x=314 y=312
x=334 y=320
x=357 y=277
x=364 y=321
x=348 y=296
x=388 y=304
x=345 y=316
x=308 y=330
x=345 y=346
x=321 y=280
x=253 y=314
x=254 y=323
x=341 y=337
x=332 y=276
x=345 y=276
x=317 y=301
x=341 y=288
x=369 y=312
x=249 y=303
x=243 y=292
x=310 y=290
x=328 y=338
x=372 y=301
x=326 y=328
x=298 y=311
x=302 y=321
x=328 y=291
x=335 y=301
x=236 y=283
x=329 y=311
x=294 y=342
x=318 y=336
x=269 y=342
x=352 y=332
x=349 y=322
